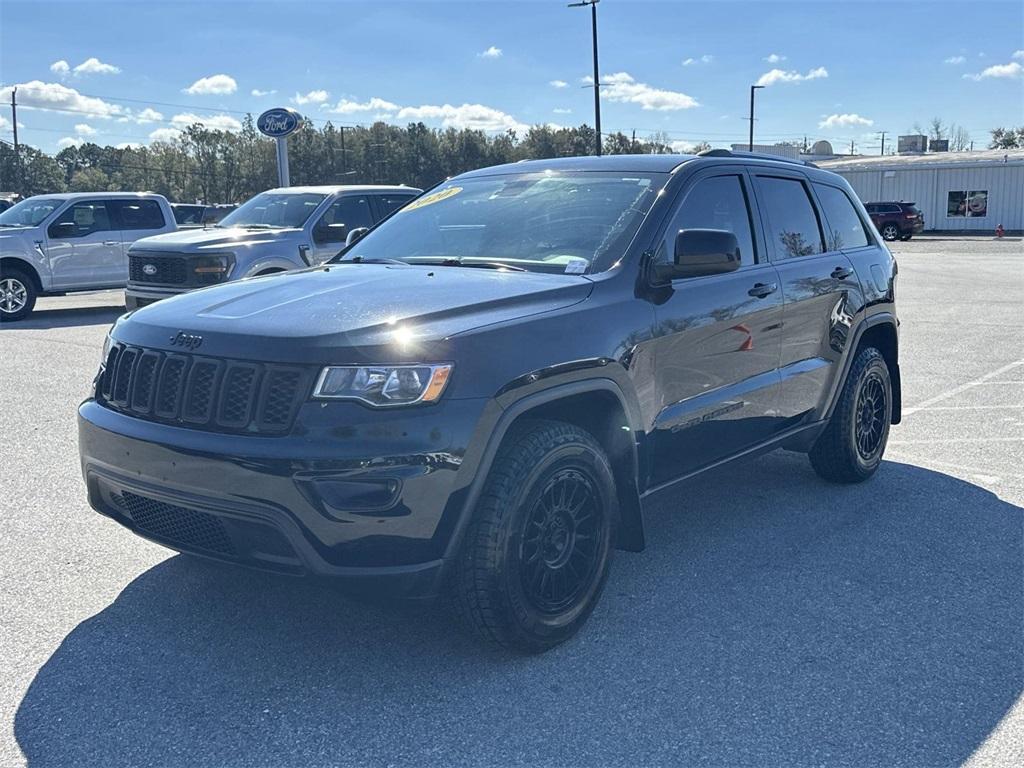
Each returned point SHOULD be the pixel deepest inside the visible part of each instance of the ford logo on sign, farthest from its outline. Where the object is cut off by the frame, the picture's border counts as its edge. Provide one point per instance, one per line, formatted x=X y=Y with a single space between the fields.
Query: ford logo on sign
x=278 y=122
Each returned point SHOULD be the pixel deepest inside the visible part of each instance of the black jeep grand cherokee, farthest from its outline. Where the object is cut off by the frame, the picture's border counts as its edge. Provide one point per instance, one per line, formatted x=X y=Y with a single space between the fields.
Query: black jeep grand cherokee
x=478 y=395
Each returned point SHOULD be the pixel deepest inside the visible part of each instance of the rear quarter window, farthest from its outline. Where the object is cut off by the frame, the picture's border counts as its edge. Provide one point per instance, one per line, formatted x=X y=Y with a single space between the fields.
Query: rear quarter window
x=843 y=226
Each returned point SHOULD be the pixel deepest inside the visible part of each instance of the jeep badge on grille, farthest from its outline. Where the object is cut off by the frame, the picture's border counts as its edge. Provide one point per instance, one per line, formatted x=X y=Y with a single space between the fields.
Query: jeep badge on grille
x=187 y=340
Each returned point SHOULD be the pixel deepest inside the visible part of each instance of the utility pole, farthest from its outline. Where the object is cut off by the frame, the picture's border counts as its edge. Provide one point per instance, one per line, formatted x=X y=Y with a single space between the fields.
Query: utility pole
x=851 y=147
x=883 y=142
x=341 y=130
x=597 y=78
x=750 y=144
x=14 y=125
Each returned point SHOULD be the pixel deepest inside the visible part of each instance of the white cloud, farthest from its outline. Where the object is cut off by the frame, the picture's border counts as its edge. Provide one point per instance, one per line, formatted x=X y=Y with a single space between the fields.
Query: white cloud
x=213 y=122
x=93 y=66
x=346 y=107
x=558 y=84
x=84 y=129
x=1017 y=55
x=60 y=68
x=164 y=134
x=213 y=85
x=844 y=120
x=473 y=116
x=1011 y=70
x=128 y=145
x=313 y=97
x=258 y=92
x=774 y=58
x=621 y=87
x=491 y=53
x=54 y=96
x=781 y=76
x=955 y=60
x=707 y=58
x=148 y=115
x=69 y=141
x=561 y=111
x=5 y=125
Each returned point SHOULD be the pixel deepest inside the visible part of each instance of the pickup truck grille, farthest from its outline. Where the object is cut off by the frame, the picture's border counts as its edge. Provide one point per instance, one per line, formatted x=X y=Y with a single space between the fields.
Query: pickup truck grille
x=157 y=270
x=202 y=392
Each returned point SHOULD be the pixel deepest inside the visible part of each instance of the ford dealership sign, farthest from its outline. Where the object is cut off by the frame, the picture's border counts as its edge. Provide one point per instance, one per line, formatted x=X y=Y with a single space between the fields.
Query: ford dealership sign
x=278 y=122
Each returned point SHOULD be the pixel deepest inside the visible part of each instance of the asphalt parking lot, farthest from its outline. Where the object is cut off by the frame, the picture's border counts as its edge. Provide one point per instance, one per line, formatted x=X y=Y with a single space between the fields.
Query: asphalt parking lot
x=774 y=620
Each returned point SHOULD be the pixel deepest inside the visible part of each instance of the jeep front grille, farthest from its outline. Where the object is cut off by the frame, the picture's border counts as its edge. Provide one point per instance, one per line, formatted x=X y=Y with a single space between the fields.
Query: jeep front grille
x=202 y=392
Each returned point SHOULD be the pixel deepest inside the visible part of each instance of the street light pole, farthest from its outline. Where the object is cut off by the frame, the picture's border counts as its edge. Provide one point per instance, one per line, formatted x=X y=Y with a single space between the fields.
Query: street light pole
x=597 y=79
x=750 y=144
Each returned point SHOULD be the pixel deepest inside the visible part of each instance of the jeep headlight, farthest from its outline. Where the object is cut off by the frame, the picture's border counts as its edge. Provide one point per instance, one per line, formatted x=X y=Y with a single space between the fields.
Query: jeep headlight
x=383 y=385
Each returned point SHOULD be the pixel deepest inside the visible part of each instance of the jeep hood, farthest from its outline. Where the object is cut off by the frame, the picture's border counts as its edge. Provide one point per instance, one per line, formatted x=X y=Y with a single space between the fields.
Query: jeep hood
x=201 y=240
x=348 y=311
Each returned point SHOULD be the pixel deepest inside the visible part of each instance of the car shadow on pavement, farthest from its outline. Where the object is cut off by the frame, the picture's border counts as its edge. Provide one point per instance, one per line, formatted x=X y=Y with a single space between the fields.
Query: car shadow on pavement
x=773 y=620
x=45 y=319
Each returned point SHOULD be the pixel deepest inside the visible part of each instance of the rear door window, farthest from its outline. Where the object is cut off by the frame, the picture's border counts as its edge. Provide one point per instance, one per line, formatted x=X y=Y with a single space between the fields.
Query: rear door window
x=139 y=214
x=843 y=226
x=388 y=204
x=792 y=222
x=352 y=210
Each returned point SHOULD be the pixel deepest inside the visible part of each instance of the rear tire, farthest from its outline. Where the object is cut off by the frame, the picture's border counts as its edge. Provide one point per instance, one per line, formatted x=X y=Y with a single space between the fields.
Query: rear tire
x=17 y=295
x=890 y=232
x=851 y=447
x=538 y=549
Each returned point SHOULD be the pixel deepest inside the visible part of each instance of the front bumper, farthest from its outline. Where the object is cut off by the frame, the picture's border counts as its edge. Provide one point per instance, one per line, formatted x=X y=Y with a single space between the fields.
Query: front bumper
x=136 y=296
x=367 y=498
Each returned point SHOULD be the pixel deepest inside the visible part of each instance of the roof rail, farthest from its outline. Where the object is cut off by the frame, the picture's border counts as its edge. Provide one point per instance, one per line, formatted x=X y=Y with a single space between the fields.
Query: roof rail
x=753 y=156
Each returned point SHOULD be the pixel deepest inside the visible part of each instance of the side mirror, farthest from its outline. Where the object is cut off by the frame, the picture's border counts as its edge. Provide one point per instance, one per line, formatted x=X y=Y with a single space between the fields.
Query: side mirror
x=356 y=235
x=700 y=252
x=62 y=230
x=330 y=233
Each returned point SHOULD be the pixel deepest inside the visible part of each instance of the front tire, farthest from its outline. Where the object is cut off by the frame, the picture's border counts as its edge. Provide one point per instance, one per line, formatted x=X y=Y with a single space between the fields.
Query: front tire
x=17 y=295
x=890 y=232
x=538 y=549
x=851 y=447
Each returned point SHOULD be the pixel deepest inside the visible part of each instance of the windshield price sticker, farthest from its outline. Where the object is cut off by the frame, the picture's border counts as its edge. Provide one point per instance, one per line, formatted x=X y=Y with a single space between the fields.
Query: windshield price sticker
x=434 y=197
x=576 y=266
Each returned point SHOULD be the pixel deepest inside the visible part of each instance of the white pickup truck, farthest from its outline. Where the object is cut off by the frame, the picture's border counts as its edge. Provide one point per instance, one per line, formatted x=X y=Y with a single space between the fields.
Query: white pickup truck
x=56 y=244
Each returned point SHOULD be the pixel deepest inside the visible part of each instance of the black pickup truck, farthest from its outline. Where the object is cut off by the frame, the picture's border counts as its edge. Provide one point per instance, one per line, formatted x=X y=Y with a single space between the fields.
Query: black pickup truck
x=477 y=396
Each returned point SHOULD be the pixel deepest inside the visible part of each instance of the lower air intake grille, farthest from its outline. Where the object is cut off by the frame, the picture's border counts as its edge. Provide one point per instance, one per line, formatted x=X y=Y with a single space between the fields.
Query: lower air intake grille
x=189 y=528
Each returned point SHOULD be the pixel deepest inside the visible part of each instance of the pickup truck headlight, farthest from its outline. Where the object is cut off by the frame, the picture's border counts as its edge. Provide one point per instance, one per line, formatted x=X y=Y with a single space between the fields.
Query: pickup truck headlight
x=383 y=385
x=212 y=268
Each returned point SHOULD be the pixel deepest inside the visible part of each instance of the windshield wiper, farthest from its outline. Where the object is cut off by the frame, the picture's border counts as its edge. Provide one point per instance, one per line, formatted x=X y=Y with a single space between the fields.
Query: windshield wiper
x=480 y=264
x=370 y=260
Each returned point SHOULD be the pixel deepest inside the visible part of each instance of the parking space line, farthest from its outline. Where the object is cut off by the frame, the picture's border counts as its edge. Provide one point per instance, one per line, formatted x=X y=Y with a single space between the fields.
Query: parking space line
x=968 y=407
x=963 y=387
x=959 y=440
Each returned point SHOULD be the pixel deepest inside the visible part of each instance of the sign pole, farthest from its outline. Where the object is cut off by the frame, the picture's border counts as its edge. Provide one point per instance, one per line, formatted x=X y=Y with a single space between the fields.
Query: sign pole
x=282 y=161
x=278 y=123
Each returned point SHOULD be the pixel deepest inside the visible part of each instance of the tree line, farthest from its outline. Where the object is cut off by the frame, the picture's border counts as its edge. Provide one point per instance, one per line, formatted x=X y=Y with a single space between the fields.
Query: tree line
x=215 y=166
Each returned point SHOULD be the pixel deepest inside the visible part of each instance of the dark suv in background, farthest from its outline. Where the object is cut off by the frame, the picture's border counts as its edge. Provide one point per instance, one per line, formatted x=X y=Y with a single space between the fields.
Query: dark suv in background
x=478 y=396
x=896 y=221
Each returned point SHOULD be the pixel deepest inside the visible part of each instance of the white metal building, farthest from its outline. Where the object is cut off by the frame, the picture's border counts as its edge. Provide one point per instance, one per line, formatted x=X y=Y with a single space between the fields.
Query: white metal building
x=954 y=190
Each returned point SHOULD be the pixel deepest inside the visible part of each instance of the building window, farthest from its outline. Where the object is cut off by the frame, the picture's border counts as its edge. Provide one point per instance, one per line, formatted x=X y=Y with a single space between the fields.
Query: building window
x=964 y=203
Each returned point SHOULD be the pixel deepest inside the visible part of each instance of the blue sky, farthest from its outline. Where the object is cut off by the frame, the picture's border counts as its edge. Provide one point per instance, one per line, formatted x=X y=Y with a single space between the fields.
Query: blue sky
x=116 y=73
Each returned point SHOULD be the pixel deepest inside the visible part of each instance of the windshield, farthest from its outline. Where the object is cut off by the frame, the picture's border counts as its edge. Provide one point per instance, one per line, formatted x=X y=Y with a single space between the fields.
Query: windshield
x=545 y=222
x=274 y=210
x=30 y=212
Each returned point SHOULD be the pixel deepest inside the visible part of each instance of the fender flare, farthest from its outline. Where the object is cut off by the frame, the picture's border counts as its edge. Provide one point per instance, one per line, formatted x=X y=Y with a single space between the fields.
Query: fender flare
x=271 y=262
x=871 y=321
x=631 y=531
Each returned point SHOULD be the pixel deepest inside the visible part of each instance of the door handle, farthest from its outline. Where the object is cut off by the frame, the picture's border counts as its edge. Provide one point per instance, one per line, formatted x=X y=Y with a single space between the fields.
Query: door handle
x=760 y=290
x=111 y=242
x=841 y=273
